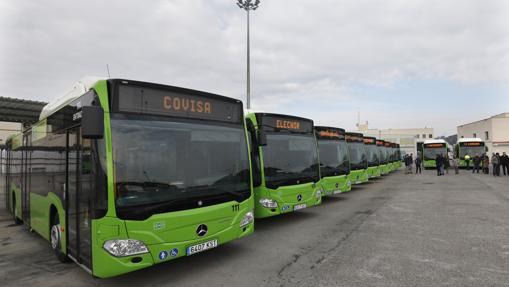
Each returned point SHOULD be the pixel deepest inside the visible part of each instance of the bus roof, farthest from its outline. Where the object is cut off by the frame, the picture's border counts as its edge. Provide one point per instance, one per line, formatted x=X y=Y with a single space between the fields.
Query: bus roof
x=434 y=141
x=81 y=87
x=463 y=140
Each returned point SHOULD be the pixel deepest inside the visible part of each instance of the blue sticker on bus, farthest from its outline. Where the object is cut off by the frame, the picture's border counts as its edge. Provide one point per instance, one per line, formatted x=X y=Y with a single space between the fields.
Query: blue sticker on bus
x=163 y=254
x=174 y=252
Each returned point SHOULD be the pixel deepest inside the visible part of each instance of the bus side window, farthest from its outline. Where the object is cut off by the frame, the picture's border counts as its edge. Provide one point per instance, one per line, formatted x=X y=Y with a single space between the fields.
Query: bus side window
x=255 y=155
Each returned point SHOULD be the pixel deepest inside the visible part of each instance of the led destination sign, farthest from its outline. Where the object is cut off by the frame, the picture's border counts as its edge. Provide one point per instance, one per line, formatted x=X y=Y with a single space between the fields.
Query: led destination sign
x=435 y=145
x=293 y=124
x=354 y=137
x=370 y=141
x=329 y=133
x=466 y=144
x=172 y=102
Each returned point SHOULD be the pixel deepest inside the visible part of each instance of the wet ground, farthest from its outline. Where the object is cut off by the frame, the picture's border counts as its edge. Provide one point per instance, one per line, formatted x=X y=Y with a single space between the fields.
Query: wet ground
x=399 y=230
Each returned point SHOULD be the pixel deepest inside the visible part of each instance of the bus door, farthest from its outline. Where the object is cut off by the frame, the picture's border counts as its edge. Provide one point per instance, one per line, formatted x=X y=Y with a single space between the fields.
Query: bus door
x=78 y=198
x=25 y=179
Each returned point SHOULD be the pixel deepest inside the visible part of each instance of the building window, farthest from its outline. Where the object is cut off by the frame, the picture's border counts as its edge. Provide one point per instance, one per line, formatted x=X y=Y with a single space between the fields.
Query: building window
x=416 y=136
x=475 y=135
x=430 y=136
x=423 y=136
x=486 y=135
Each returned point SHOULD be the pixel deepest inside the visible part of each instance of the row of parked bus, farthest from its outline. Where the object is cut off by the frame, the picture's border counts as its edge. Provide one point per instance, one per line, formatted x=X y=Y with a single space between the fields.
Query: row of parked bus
x=119 y=175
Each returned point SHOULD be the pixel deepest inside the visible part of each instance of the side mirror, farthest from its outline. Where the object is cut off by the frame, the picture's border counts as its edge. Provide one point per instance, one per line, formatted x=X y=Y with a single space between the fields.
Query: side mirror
x=92 y=122
x=262 y=137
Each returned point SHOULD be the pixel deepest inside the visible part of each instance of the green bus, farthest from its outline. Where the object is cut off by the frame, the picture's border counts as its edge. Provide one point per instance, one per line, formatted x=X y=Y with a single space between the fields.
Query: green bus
x=430 y=150
x=284 y=163
x=358 y=159
x=334 y=161
x=372 y=156
x=119 y=175
x=383 y=155
x=471 y=146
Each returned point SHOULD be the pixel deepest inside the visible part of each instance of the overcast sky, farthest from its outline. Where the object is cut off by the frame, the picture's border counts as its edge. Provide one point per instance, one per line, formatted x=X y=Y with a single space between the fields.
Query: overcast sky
x=402 y=63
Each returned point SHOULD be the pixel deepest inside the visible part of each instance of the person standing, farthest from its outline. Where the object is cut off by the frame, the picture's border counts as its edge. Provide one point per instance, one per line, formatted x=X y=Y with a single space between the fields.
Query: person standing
x=438 y=164
x=485 y=164
x=467 y=161
x=455 y=164
x=504 y=161
x=418 y=164
x=407 y=164
x=477 y=163
x=495 y=162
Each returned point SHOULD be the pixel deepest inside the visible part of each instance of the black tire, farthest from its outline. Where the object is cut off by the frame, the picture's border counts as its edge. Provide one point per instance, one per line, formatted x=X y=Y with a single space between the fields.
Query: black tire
x=17 y=221
x=56 y=239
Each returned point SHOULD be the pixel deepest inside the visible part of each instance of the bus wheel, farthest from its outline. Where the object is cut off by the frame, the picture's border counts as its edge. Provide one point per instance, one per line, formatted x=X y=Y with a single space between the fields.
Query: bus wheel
x=17 y=221
x=56 y=239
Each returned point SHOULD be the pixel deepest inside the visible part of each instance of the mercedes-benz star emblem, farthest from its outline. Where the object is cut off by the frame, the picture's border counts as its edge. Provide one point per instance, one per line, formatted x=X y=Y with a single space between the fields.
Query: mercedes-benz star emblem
x=201 y=230
x=337 y=185
x=299 y=197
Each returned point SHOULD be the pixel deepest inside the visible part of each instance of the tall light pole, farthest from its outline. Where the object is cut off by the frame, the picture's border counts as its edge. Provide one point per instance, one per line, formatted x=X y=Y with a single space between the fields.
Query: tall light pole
x=248 y=5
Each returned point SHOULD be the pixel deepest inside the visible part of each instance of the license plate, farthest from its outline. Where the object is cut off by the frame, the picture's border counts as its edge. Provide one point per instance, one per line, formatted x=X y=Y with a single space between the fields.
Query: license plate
x=357 y=182
x=337 y=191
x=201 y=247
x=299 y=206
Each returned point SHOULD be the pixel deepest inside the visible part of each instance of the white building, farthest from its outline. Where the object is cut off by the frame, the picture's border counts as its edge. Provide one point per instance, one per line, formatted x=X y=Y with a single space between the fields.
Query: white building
x=408 y=139
x=494 y=131
x=7 y=129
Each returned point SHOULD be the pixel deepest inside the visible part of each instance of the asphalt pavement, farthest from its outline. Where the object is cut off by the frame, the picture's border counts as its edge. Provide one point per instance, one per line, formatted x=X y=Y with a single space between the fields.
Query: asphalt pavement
x=398 y=230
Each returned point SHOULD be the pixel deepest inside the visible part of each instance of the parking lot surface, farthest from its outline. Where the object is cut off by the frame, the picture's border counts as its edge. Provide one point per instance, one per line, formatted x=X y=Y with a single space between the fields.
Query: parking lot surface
x=399 y=230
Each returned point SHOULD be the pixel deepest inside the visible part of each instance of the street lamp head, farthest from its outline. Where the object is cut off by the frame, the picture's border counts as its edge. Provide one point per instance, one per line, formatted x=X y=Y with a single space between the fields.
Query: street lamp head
x=248 y=4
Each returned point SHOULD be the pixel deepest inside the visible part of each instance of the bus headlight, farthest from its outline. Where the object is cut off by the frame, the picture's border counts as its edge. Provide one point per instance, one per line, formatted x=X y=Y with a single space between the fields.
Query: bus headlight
x=349 y=183
x=268 y=203
x=318 y=193
x=125 y=247
x=247 y=219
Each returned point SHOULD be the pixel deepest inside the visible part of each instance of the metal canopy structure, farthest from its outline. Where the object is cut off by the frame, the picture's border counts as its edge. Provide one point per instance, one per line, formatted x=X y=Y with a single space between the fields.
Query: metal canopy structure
x=20 y=111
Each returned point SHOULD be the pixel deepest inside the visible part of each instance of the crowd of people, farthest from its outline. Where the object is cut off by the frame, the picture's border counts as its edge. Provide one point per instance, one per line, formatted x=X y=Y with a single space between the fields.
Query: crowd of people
x=476 y=163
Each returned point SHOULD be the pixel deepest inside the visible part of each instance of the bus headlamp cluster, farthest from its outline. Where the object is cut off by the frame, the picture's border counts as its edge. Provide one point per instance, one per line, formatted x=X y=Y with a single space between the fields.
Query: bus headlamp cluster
x=268 y=203
x=319 y=193
x=125 y=247
x=247 y=219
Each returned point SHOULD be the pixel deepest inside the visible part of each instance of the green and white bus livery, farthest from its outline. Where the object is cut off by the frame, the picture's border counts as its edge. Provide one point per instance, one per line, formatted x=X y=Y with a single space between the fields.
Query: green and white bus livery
x=372 y=156
x=430 y=149
x=471 y=146
x=383 y=155
x=334 y=163
x=358 y=158
x=120 y=175
x=284 y=163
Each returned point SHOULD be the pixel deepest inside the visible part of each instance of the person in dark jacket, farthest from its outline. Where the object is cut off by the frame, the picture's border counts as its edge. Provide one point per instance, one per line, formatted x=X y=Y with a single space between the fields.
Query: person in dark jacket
x=418 y=163
x=438 y=161
x=477 y=164
x=504 y=162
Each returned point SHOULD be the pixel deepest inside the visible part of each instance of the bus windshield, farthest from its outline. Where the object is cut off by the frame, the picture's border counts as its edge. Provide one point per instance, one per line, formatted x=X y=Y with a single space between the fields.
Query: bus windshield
x=289 y=159
x=177 y=165
x=333 y=157
x=372 y=155
x=431 y=153
x=358 y=159
x=471 y=151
